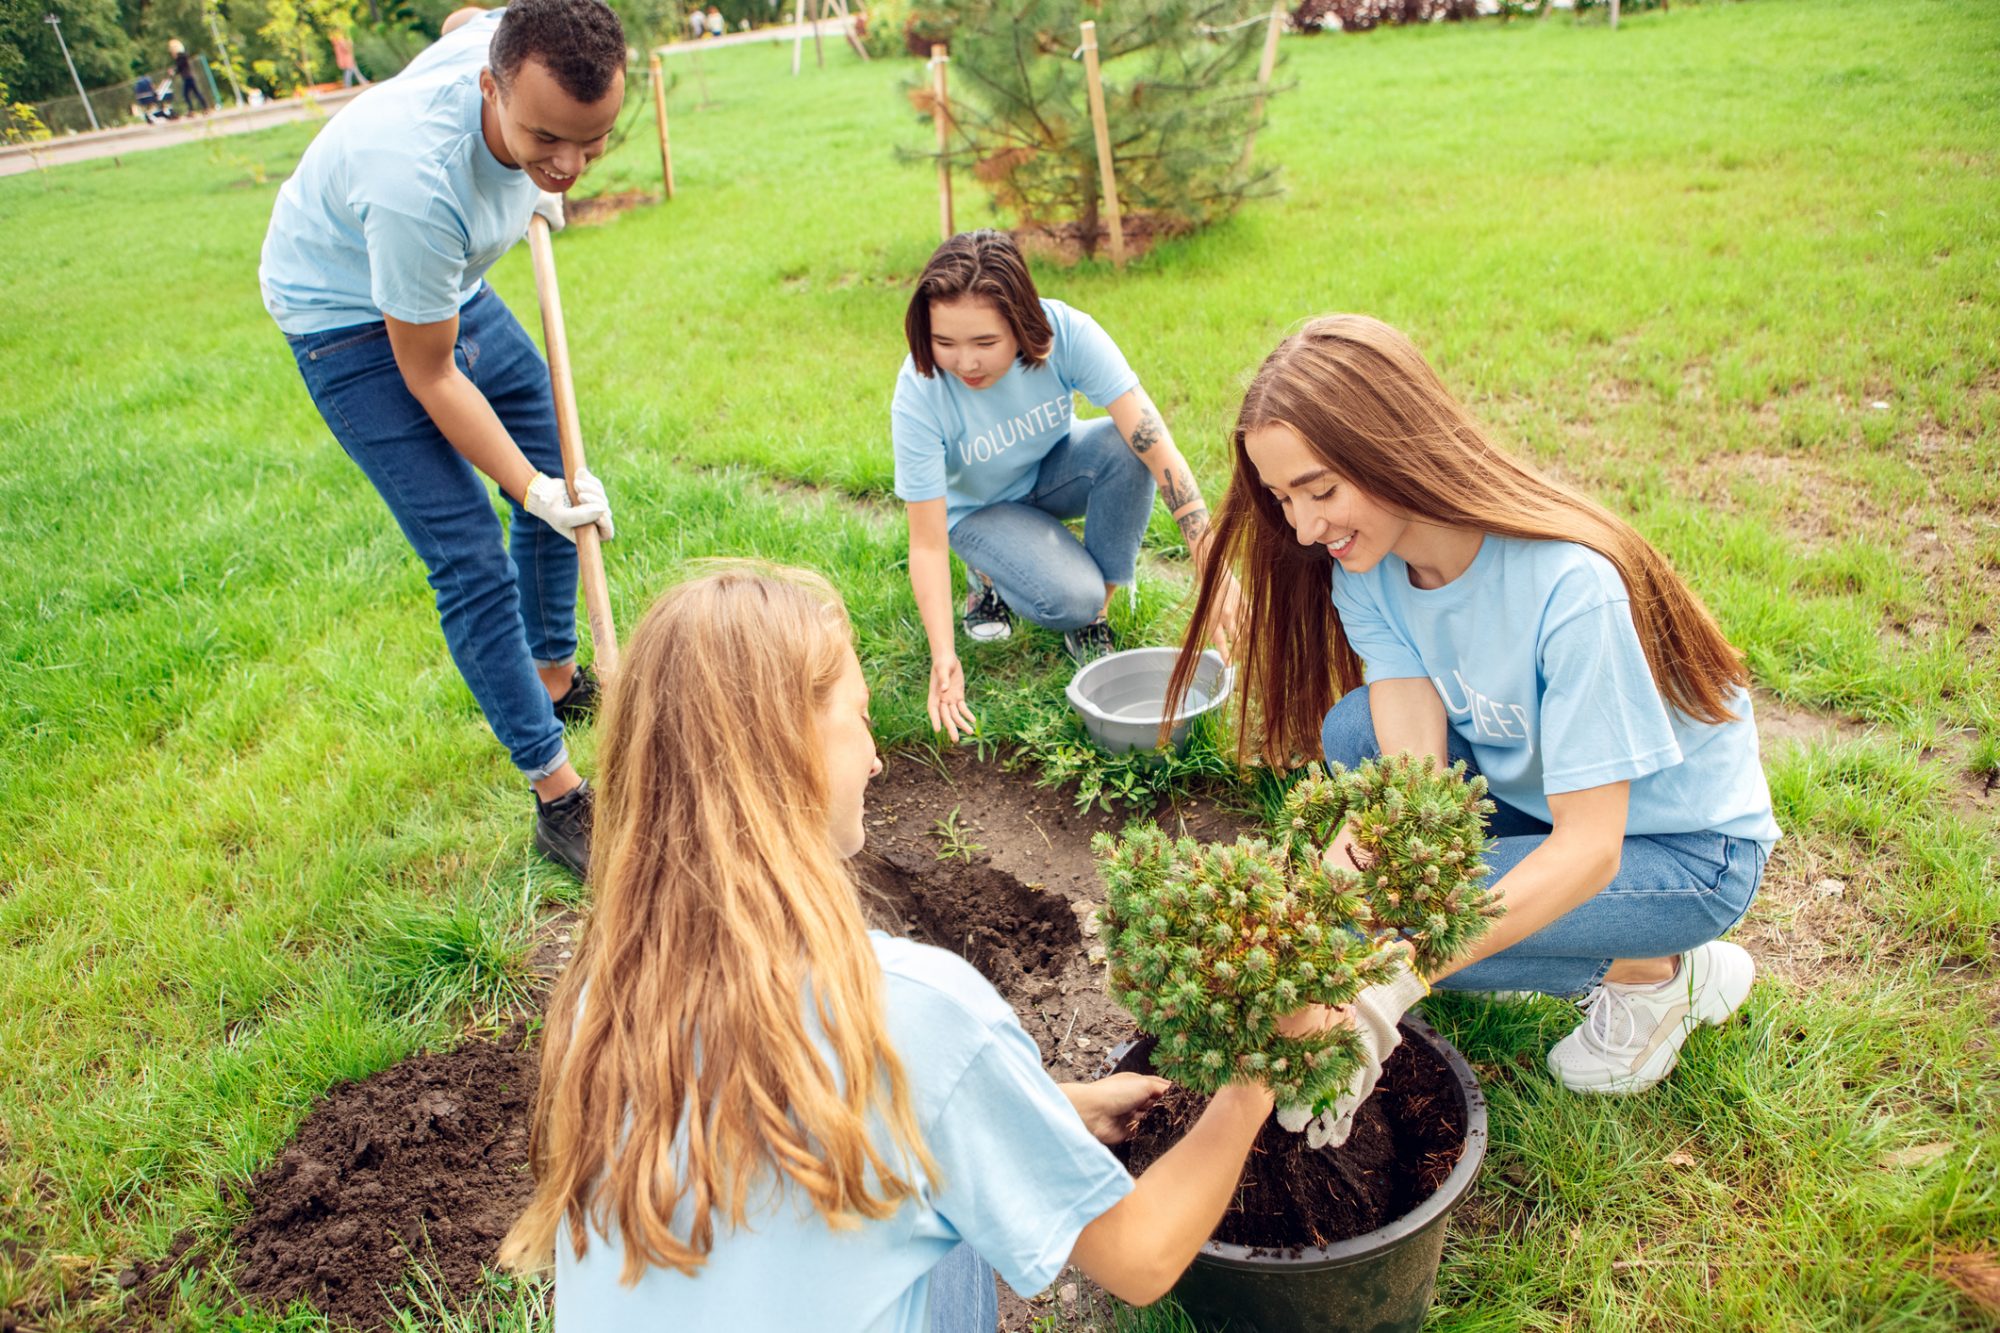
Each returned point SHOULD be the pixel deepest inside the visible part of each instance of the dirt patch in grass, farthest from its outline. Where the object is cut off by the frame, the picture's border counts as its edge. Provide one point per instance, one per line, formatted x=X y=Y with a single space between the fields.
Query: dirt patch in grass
x=1020 y=907
x=425 y=1162
x=603 y=207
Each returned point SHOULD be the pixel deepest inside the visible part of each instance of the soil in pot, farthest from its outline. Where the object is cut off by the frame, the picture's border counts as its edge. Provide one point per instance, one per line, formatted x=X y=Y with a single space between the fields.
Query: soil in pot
x=1407 y=1138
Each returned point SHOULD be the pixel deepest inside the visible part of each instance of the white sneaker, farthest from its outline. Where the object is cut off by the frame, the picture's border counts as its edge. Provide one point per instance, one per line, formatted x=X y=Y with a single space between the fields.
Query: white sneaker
x=1631 y=1036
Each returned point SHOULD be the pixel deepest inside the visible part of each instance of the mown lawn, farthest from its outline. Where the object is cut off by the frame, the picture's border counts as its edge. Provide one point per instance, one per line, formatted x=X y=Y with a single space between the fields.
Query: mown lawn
x=1732 y=268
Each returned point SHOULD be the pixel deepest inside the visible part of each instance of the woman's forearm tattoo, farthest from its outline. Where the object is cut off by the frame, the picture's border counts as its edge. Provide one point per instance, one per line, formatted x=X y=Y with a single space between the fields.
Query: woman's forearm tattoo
x=1194 y=527
x=1179 y=490
x=1149 y=431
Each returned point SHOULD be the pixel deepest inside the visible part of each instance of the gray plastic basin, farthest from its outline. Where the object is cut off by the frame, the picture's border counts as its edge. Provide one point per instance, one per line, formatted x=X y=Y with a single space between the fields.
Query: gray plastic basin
x=1122 y=696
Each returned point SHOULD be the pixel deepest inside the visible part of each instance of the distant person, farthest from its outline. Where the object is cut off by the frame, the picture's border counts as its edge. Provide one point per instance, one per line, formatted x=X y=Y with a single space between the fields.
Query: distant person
x=757 y=1114
x=343 y=60
x=991 y=463
x=374 y=268
x=717 y=25
x=191 y=95
x=697 y=24
x=150 y=105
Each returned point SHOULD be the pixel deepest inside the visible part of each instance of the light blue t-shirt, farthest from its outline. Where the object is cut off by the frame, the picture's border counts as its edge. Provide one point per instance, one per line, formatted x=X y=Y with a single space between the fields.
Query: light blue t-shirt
x=977 y=447
x=1533 y=651
x=1020 y=1177
x=398 y=207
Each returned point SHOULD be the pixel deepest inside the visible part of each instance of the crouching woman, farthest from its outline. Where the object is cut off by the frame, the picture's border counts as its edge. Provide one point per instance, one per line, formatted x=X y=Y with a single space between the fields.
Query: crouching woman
x=757 y=1114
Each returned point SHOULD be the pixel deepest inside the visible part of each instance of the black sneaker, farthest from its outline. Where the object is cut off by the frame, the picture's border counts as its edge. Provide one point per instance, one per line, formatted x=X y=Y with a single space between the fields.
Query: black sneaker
x=562 y=829
x=987 y=619
x=579 y=704
x=1091 y=642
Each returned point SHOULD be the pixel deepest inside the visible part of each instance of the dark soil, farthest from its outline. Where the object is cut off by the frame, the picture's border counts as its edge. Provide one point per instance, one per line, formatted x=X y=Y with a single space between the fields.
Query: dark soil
x=425 y=1161
x=1407 y=1138
x=604 y=207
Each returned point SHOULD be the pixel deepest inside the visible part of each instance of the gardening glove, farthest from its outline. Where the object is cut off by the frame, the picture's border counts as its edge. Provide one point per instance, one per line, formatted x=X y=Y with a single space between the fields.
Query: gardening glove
x=1377 y=1010
x=548 y=500
x=550 y=206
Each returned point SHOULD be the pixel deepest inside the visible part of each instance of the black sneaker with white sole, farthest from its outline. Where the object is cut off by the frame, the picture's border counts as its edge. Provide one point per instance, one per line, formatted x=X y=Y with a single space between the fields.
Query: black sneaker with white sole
x=580 y=703
x=562 y=829
x=1091 y=642
x=987 y=619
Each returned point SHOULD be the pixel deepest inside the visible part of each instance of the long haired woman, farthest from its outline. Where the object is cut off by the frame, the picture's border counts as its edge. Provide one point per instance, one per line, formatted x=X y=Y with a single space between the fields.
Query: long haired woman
x=755 y=1113
x=1408 y=585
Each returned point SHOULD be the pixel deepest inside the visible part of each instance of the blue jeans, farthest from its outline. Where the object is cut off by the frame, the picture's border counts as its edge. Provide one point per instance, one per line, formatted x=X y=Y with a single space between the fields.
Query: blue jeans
x=963 y=1299
x=505 y=609
x=1673 y=891
x=1043 y=572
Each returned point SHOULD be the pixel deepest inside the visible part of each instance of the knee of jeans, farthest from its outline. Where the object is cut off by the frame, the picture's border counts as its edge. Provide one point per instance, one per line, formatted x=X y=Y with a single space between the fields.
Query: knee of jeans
x=1348 y=734
x=1064 y=608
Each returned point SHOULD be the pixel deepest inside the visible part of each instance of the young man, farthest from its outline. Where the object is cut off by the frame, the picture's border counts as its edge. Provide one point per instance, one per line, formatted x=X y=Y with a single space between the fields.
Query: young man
x=374 y=269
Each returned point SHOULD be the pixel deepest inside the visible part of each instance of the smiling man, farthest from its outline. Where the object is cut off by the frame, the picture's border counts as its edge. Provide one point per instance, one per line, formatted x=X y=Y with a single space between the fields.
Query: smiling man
x=374 y=268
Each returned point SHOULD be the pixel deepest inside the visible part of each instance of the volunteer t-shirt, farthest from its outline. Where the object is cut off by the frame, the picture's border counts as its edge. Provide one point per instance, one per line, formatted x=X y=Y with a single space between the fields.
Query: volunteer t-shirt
x=398 y=206
x=977 y=447
x=1019 y=1179
x=1533 y=651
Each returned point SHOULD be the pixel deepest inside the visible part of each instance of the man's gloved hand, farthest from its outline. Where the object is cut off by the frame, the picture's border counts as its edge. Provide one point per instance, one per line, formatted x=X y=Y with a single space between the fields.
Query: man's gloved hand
x=548 y=500
x=550 y=206
x=1377 y=1010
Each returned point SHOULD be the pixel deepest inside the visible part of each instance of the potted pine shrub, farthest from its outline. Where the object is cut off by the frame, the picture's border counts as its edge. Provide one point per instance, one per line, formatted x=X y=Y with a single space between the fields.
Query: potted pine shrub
x=1210 y=946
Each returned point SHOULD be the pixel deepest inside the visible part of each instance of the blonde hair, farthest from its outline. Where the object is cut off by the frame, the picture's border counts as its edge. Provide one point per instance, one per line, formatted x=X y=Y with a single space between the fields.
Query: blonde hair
x=726 y=932
x=1370 y=407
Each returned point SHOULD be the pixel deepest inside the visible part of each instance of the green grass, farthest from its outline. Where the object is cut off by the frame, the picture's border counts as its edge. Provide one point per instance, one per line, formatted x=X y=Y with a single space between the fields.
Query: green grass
x=257 y=838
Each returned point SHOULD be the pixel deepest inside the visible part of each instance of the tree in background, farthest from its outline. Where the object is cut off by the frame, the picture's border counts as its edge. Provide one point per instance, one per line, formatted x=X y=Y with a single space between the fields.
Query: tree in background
x=1180 y=96
x=31 y=62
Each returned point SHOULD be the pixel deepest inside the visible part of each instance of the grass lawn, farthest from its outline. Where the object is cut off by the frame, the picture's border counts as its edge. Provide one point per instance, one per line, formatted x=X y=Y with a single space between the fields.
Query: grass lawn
x=1733 y=269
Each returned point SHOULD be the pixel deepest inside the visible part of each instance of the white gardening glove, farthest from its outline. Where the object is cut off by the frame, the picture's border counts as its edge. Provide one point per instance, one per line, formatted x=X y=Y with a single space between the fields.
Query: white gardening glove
x=550 y=206
x=548 y=500
x=1377 y=1010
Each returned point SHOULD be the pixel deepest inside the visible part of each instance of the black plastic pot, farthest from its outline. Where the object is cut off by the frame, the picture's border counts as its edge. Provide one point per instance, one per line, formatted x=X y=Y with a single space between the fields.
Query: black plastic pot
x=1377 y=1283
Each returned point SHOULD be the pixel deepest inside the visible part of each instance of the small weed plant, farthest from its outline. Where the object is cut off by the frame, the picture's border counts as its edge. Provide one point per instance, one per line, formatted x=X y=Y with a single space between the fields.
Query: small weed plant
x=955 y=840
x=1210 y=946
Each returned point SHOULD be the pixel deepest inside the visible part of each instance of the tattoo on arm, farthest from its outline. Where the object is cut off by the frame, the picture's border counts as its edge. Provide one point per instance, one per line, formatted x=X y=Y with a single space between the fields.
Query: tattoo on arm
x=1194 y=527
x=1148 y=431
x=1179 y=489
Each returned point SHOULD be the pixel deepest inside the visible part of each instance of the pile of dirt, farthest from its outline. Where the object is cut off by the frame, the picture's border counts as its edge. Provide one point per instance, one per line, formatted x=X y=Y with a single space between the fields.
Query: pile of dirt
x=425 y=1162
x=1407 y=1137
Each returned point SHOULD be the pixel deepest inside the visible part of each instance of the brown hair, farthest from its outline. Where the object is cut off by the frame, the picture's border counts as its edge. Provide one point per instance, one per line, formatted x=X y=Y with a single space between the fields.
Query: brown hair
x=686 y=1053
x=986 y=265
x=1372 y=409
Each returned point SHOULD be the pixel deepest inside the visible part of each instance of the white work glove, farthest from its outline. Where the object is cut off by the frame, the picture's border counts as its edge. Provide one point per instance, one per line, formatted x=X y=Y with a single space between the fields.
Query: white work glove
x=548 y=500
x=1377 y=1010
x=550 y=206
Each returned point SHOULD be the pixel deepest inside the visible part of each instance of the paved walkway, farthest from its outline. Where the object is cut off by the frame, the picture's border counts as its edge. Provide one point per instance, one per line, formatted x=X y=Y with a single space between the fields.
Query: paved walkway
x=140 y=138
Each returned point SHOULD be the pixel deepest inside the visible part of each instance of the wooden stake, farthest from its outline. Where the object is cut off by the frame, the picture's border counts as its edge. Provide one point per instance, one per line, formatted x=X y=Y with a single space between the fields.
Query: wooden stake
x=1107 y=176
x=569 y=433
x=798 y=34
x=1614 y=15
x=660 y=114
x=847 y=26
x=1264 y=68
x=819 y=49
x=941 y=117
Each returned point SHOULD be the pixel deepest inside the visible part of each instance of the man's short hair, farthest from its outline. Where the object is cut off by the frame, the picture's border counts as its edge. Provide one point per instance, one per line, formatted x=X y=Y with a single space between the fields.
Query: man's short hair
x=580 y=41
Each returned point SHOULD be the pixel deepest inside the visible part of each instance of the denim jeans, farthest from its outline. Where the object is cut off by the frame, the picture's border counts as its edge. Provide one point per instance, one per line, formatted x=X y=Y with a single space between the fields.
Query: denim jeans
x=1673 y=891
x=505 y=609
x=1042 y=571
x=963 y=1299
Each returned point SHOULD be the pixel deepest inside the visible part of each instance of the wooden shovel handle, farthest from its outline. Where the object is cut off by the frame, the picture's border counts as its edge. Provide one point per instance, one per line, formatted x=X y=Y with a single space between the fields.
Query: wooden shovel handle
x=569 y=432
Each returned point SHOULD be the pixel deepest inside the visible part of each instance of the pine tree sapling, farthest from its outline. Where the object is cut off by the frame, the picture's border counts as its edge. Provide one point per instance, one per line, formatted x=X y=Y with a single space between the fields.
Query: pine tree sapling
x=1210 y=946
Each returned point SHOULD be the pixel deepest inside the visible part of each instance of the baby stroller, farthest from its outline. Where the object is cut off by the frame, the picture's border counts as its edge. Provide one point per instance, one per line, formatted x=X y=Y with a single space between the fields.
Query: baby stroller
x=153 y=103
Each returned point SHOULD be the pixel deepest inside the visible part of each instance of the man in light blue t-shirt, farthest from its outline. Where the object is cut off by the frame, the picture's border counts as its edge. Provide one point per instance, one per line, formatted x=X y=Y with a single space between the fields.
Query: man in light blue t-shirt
x=374 y=268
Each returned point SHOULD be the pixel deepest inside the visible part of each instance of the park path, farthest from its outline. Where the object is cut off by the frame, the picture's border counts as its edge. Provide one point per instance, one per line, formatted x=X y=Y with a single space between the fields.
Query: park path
x=240 y=120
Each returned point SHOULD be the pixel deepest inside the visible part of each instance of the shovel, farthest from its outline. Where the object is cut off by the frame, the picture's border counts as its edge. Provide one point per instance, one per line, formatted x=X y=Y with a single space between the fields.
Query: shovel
x=569 y=432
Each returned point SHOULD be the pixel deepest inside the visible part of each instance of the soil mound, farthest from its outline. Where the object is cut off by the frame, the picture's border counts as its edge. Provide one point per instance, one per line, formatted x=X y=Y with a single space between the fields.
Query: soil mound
x=425 y=1161
x=995 y=922
x=1407 y=1138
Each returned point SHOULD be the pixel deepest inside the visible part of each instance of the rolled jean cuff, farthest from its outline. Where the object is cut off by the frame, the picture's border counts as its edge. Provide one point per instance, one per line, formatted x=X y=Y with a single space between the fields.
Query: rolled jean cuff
x=540 y=665
x=537 y=774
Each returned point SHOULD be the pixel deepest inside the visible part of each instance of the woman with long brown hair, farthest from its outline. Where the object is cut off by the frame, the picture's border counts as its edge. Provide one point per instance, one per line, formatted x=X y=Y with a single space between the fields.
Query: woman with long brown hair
x=755 y=1114
x=1481 y=611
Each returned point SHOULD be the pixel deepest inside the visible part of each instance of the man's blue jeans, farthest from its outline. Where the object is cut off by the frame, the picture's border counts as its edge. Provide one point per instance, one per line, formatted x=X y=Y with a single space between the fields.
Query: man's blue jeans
x=963 y=1299
x=504 y=614
x=1673 y=891
x=1042 y=571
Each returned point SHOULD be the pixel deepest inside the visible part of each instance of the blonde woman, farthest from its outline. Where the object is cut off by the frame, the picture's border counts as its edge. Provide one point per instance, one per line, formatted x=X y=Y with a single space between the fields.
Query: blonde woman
x=1481 y=611
x=755 y=1113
